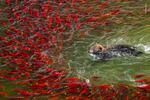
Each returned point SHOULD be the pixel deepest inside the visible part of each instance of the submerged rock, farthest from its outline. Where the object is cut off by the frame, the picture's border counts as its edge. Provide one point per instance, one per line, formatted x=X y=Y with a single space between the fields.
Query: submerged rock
x=99 y=52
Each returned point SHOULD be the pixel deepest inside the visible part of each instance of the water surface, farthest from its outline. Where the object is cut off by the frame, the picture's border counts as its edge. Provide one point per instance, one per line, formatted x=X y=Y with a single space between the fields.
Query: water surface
x=134 y=30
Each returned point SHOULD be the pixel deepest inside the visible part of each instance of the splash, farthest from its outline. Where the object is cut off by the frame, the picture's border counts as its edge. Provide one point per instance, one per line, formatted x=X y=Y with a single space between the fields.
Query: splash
x=144 y=47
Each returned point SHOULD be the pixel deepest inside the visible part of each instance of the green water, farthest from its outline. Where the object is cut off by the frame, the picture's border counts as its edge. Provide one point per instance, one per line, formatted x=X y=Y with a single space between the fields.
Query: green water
x=134 y=30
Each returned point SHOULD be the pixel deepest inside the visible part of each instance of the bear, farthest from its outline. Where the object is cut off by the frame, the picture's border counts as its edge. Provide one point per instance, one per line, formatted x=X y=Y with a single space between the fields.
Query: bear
x=99 y=52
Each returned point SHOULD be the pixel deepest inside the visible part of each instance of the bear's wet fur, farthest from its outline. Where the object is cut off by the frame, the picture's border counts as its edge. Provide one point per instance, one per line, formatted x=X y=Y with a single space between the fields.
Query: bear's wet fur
x=101 y=53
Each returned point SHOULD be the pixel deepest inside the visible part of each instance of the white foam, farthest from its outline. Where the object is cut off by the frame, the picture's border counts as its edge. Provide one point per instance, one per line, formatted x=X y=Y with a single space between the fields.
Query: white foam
x=94 y=57
x=145 y=48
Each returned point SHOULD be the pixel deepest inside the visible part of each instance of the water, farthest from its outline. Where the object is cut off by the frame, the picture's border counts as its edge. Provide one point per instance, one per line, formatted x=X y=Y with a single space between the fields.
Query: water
x=117 y=70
